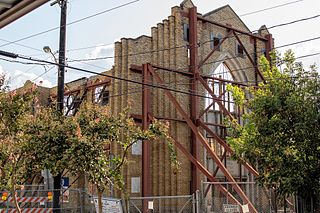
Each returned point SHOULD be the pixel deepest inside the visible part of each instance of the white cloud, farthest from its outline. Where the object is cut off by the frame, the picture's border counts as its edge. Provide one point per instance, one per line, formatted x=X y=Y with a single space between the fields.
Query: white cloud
x=101 y=51
x=18 y=78
x=1 y=70
x=305 y=50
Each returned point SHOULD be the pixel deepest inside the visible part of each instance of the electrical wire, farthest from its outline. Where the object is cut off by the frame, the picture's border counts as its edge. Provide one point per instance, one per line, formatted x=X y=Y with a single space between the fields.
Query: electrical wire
x=185 y=46
x=253 y=12
x=70 y=23
x=176 y=47
x=159 y=86
x=293 y=22
x=211 y=62
x=15 y=42
x=270 y=8
x=89 y=47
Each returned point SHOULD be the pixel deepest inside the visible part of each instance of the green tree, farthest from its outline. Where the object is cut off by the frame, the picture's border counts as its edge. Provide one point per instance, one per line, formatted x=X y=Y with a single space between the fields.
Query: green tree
x=81 y=144
x=14 y=106
x=99 y=130
x=281 y=135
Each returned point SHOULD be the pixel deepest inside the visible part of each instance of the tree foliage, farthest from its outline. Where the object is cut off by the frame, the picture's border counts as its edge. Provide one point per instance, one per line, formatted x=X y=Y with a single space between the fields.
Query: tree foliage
x=33 y=140
x=281 y=135
x=14 y=158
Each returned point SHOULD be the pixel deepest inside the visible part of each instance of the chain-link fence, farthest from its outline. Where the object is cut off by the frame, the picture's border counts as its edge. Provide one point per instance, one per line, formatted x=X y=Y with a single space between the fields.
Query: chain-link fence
x=263 y=199
x=164 y=204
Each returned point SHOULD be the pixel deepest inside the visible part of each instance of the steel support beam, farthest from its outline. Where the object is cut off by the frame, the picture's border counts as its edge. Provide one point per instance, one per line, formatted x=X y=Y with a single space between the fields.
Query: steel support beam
x=248 y=55
x=205 y=171
x=203 y=141
x=233 y=29
x=218 y=101
x=210 y=105
x=146 y=147
x=269 y=46
x=227 y=147
x=214 y=49
x=193 y=30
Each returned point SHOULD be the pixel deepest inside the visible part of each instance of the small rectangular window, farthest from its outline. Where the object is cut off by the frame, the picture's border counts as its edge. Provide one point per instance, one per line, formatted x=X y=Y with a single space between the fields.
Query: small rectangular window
x=264 y=52
x=240 y=50
x=214 y=41
x=135 y=184
x=137 y=148
x=186 y=32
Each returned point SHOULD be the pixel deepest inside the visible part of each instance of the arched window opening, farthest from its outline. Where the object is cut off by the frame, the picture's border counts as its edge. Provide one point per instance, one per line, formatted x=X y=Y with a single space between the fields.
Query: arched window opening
x=219 y=88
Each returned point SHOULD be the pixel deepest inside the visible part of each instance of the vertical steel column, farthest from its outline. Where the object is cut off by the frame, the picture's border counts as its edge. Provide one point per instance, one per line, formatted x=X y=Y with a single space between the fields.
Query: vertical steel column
x=269 y=46
x=255 y=59
x=194 y=66
x=146 y=148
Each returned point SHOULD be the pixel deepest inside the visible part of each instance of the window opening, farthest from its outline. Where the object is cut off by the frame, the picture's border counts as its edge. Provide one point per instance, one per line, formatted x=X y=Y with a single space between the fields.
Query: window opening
x=219 y=88
x=68 y=104
x=101 y=95
x=215 y=41
x=240 y=50
x=186 y=32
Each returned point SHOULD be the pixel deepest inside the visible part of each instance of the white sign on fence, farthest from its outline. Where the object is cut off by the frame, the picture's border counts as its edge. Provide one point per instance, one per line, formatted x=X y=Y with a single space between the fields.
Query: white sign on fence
x=109 y=205
x=230 y=208
x=150 y=205
x=245 y=208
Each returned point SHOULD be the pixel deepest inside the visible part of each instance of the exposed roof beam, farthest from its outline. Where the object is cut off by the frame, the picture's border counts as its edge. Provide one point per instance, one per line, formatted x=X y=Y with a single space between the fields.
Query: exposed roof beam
x=19 y=10
x=5 y=5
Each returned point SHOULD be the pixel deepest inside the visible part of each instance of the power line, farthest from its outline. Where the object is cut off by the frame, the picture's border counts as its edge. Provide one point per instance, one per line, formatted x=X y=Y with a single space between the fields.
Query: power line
x=249 y=13
x=133 y=54
x=82 y=48
x=159 y=86
x=270 y=8
x=293 y=22
x=176 y=47
x=211 y=62
x=89 y=47
x=221 y=60
x=73 y=22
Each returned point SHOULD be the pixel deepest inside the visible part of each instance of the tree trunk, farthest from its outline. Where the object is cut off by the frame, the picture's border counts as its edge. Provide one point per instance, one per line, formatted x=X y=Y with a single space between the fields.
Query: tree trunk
x=316 y=204
x=14 y=195
x=56 y=193
x=100 y=193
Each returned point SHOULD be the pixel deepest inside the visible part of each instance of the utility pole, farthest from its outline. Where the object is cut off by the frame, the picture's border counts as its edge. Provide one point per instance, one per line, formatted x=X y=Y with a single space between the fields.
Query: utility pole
x=60 y=95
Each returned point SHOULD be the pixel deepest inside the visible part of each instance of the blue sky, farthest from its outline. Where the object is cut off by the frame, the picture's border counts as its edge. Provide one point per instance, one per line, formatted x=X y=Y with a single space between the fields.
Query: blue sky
x=134 y=20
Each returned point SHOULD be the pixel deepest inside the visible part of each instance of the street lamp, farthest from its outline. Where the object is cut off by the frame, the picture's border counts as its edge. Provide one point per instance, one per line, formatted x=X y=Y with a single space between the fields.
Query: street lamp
x=47 y=49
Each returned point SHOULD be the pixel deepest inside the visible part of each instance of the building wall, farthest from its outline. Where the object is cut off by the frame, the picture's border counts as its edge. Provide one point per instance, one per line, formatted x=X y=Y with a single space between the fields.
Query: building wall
x=167 y=48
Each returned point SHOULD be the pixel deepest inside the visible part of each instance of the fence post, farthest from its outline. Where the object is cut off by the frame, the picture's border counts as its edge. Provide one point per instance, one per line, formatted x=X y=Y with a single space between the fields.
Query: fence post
x=159 y=205
x=198 y=201
x=193 y=203
x=82 y=200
